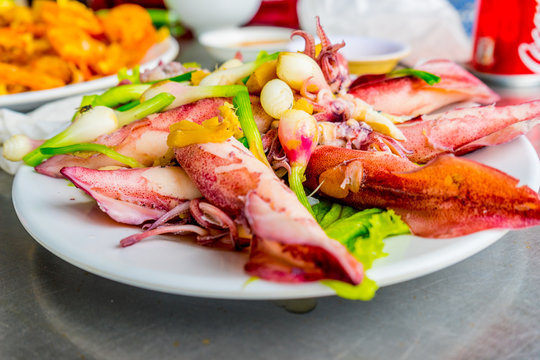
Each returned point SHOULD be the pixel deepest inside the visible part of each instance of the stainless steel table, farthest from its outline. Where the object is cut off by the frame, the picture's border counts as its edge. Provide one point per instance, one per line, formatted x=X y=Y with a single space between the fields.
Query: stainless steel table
x=486 y=307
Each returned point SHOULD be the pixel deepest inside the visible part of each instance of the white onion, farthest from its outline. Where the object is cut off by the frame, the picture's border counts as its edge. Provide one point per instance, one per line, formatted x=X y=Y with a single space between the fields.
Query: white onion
x=294 y=68
x=276 y=97
x=16 y=147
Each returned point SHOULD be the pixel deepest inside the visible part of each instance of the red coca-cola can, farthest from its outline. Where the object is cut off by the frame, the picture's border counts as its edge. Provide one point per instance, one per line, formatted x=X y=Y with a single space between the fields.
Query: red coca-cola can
x=507 y=41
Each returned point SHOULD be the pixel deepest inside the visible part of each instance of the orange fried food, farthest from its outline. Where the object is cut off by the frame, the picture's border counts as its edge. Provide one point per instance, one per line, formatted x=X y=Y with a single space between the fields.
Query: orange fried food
x=69 y=14
x=61 y=42
x=54 y=66
x=15 y=45
x=17 y=77
x=76 y=46
x=130 y=26
x=15 y=16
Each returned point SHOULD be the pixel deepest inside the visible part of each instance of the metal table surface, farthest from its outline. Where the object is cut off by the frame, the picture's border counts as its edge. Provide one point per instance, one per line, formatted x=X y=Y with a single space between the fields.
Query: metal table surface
x=485 y=307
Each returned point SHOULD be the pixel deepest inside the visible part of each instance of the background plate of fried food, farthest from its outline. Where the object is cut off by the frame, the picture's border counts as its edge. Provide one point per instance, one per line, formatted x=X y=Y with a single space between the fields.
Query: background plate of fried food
x=57 y=49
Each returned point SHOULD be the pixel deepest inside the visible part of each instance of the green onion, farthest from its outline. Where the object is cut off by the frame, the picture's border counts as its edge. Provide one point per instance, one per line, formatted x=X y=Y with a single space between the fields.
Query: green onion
x=178 y=78
x=295 y=183
x=191 y=64
x=162 y=17
x=129 y=161
x=244 y=141
x=134 y=77
x=429 y=78
x=186 y=94
x=245 y=115
x=89 y=123
x=298 y=135
x=237 y=73
x=119 y=95
x=88 y=100
x=129 y=105
x=151 y=106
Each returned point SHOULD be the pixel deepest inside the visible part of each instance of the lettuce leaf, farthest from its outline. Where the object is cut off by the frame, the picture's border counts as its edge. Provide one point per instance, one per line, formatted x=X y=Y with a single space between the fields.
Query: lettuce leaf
x=362 y=233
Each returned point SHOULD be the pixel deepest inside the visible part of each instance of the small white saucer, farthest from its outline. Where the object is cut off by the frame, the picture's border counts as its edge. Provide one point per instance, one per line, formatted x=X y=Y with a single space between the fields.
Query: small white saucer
x=224 y=43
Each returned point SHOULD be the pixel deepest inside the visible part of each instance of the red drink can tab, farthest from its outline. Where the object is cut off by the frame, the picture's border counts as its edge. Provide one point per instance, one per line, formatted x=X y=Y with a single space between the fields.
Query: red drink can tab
x=507 y=41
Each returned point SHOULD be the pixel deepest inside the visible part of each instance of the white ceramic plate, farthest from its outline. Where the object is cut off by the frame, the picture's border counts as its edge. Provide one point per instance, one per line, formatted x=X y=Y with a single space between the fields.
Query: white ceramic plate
x=165 y=51
x=69 y=224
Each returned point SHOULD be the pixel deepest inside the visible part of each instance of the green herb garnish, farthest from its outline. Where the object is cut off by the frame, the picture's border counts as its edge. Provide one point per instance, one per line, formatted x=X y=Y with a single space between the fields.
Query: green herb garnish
x=429 y=78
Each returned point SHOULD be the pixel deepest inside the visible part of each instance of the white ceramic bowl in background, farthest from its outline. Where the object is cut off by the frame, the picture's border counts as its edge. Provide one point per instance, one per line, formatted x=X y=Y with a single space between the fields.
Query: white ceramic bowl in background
x=223 y=44
x=204 y=15
x=365 y=55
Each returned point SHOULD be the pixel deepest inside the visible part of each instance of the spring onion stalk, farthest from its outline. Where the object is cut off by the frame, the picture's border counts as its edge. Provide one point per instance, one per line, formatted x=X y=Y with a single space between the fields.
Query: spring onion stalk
x=142 y=110
x=88 y=100
x=129 y=105
x=93 y=121
x=249 y=127
x=191 y=64
x=134 y=77
x=17 y=146
x=186 y=94
x=295 y=183
x=162 y=17
x=178 y=78
x=298 y=134
x=429 y=78
x=105 y=150
x=235 y=74
x=89 y=123
x=119 y=95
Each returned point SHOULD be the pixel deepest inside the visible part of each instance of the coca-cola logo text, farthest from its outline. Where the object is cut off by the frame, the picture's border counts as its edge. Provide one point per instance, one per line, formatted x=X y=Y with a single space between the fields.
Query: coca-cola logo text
x=530 y=53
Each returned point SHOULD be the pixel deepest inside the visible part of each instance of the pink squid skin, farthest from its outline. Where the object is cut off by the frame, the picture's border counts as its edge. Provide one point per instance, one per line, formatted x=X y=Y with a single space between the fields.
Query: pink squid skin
x=409 y=96
x=134 y=196
x=288 y=245
x=146 y=140
x=463 y=130
x=445 y=198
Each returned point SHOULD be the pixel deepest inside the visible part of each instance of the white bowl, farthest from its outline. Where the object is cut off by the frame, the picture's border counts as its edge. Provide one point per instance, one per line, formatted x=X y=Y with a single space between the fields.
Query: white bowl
x=223 y=44
x=365 y=55
x=204 y=15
